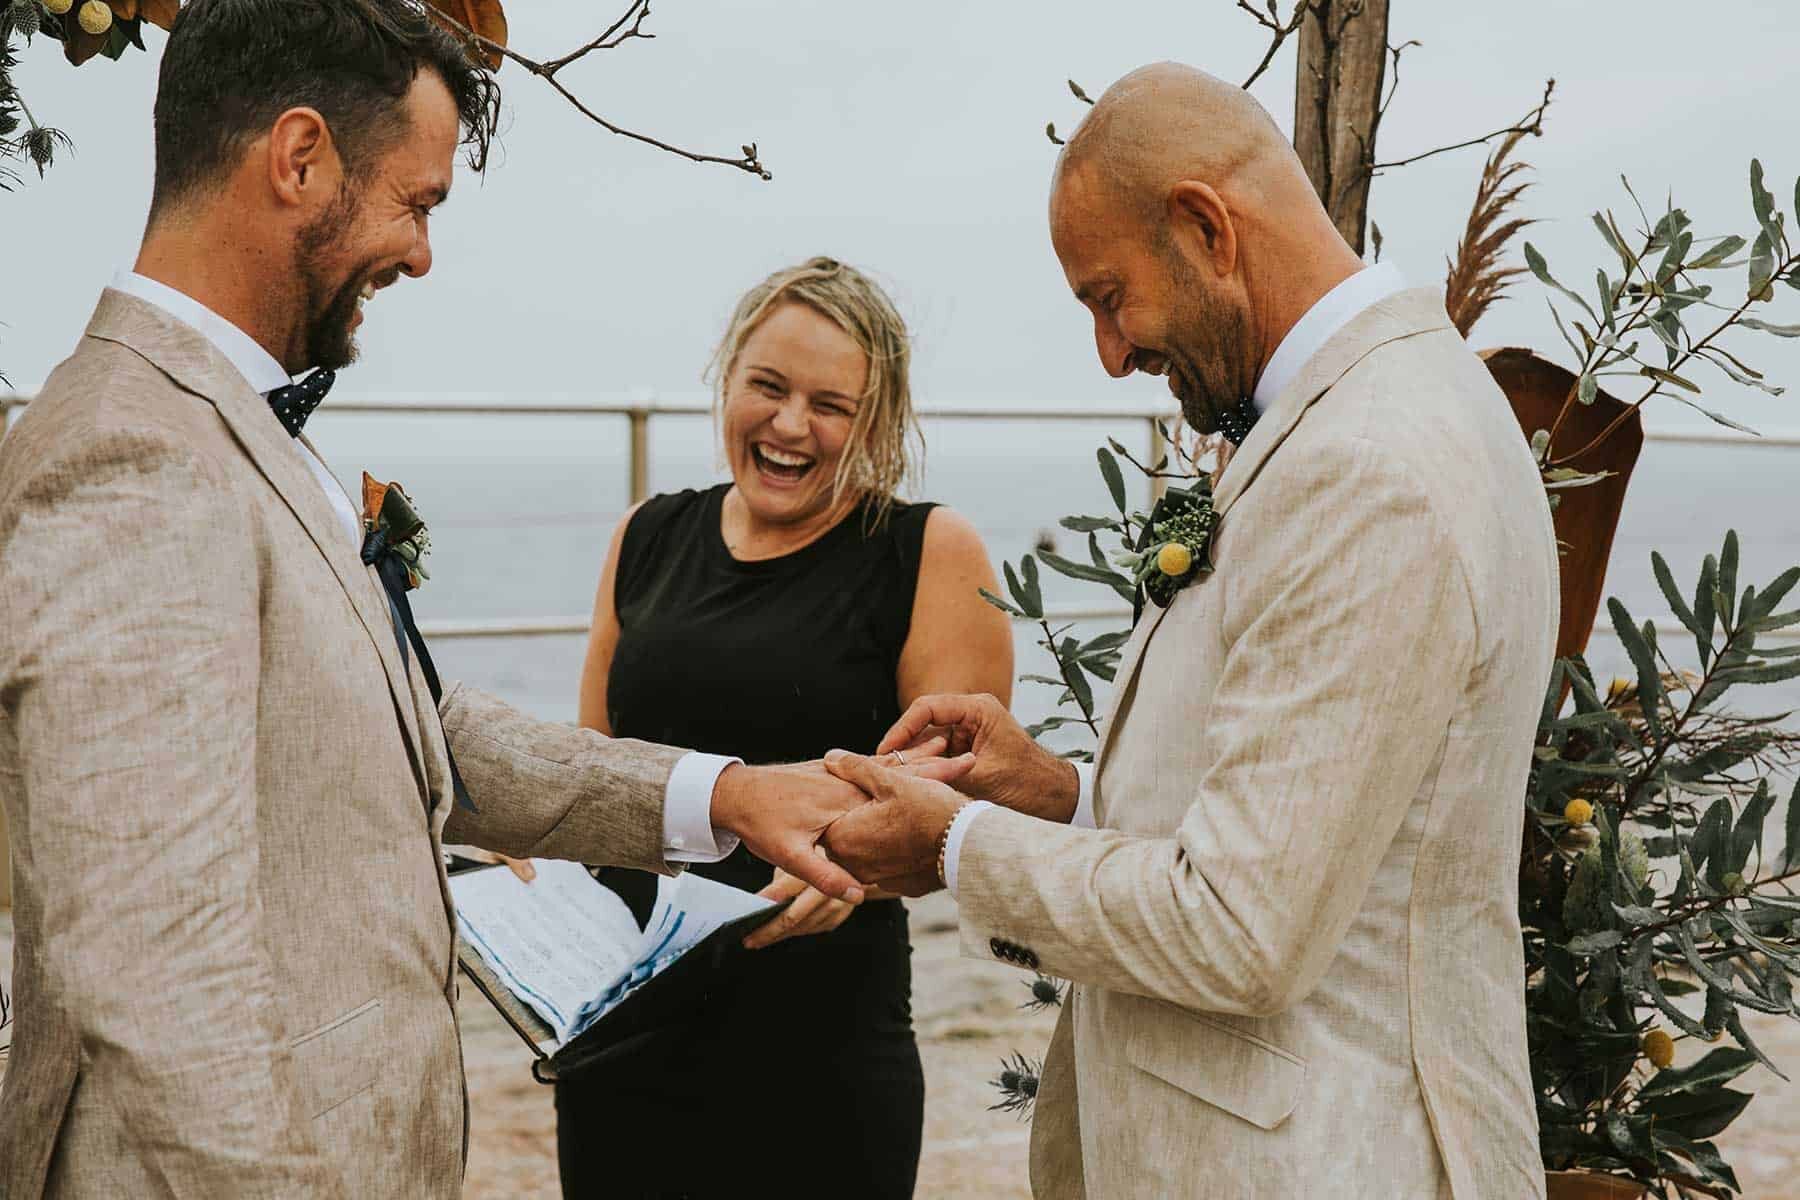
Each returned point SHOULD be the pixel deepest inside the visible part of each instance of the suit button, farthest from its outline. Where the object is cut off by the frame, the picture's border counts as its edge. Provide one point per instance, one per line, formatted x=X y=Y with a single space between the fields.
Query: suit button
x=998 y=947
x=1031 y=959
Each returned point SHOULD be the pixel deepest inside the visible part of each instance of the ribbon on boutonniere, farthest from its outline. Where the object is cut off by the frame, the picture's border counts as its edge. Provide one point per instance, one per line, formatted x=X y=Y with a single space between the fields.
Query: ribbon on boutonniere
x=1175 y=547
x=395 y=543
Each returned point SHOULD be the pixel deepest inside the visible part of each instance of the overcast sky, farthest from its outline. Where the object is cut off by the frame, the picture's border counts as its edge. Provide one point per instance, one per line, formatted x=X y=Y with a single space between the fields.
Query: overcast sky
x=907 y=138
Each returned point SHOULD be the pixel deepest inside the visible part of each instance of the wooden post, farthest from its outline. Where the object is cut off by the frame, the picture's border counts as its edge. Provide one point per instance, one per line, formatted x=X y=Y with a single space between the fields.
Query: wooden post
x=1337 y=105
x=640 y=454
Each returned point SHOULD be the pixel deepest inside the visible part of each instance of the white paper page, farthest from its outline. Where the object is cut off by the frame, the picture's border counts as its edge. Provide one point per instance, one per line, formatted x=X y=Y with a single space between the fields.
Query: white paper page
x=558 y=941
x=688 y=908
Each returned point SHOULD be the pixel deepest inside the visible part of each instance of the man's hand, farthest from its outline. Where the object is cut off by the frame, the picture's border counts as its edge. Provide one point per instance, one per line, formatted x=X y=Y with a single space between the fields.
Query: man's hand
x=1010 y=768
x=810 y=911
x=782 y=812
x=894 y=841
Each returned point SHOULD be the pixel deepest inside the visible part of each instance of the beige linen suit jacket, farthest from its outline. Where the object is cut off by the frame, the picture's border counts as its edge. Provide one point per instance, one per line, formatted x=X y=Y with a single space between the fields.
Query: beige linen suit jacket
x=227 y=796
x=1295 y=939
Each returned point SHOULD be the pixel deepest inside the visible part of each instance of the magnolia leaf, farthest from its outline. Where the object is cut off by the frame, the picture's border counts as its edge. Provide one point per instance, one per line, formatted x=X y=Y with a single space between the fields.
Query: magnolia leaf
x=1696 y=1114
x=1715 y=1067
x=484 y=18
x=160 y=13
x=1590 y=944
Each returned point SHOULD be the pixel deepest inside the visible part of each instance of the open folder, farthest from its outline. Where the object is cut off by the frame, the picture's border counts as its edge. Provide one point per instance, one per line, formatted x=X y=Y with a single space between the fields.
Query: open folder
x=587 y=965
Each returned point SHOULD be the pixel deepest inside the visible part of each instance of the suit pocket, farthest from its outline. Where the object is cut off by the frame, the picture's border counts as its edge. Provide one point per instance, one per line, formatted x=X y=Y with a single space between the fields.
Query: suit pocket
x=1250 y=1078
x=340 y=1058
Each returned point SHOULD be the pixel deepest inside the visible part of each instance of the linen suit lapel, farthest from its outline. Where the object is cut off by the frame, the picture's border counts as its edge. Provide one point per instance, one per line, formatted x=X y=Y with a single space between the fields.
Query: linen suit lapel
x=1404 y=314
x=1126 y=675
x=193 y=364
x=1417 y=310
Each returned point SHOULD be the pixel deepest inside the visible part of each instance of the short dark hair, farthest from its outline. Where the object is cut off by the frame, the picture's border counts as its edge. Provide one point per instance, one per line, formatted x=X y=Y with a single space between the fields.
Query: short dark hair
x=232 y=66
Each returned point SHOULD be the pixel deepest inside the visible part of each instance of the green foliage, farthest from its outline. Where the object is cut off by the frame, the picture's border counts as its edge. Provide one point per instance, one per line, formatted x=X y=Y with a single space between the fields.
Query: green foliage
x=1670 y=910
x=1078 y=662
x=1666 y=295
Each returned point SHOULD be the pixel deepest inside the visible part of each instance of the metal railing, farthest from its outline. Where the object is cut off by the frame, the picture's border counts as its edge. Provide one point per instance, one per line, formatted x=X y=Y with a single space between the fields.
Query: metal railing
x=643 y=405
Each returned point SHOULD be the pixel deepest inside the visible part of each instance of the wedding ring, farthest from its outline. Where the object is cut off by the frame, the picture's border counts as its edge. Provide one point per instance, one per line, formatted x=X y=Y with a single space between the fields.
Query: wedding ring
x=899 y=758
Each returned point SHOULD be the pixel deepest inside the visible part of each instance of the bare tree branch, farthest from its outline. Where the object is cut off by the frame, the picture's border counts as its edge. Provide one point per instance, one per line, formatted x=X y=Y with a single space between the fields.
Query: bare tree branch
x=627 y=27
x=611 y=38
x=1281 y=30
x=1533 y=123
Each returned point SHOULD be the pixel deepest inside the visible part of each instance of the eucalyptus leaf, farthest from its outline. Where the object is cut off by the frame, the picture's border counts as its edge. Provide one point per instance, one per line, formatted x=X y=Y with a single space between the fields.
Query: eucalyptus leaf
x=1000 y=604
x=1716 y=254
x=1535 y=261
x=1762 y=265
x=1786 y=331
x=1115 y=482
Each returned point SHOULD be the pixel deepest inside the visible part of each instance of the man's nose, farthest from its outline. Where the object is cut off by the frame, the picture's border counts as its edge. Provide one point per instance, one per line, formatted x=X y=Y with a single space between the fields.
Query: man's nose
x=1115 y=351
x=418 y=261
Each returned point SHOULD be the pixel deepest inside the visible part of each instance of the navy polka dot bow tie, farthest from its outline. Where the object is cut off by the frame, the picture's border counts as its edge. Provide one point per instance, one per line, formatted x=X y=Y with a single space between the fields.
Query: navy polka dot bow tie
x=294 y=403
x=1235 y=422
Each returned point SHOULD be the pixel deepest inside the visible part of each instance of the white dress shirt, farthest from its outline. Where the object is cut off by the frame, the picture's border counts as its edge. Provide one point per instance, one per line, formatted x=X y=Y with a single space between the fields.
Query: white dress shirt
x=688 y=833
x=1329 y=313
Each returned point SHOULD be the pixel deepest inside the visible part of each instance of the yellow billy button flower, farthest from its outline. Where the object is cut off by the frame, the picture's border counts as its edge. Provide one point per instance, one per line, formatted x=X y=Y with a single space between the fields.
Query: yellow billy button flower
x=1174 y=560
x=1578 y=812
x=1659 y=1048
x=95 y=16
x=58 y=7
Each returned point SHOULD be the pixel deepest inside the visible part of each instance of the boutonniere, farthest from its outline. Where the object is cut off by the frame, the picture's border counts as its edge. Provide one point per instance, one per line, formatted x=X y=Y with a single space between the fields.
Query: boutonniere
x=391 y=524
x=1176 y=543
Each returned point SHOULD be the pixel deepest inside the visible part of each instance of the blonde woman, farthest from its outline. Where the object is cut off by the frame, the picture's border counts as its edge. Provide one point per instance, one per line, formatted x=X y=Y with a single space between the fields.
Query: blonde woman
x=800 y=607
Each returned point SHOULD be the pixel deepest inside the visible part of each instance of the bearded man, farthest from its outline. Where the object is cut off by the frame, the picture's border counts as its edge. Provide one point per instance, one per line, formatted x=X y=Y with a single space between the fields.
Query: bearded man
x=225 y=763
x=1287 y=896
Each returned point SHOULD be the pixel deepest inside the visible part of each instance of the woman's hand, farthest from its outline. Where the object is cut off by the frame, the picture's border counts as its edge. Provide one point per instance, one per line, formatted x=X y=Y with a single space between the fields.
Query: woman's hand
x=811 y=912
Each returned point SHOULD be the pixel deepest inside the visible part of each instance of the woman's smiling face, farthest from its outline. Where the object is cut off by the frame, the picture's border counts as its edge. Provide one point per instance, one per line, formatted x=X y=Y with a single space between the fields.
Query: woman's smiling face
x=790 y=402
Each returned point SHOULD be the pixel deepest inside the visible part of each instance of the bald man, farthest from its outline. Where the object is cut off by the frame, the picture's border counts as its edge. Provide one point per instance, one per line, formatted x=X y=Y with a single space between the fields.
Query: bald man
x=1287 y=895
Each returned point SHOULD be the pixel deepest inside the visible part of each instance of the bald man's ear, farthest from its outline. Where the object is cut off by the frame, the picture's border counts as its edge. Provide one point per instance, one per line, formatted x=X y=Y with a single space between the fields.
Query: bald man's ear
x=1202 y=225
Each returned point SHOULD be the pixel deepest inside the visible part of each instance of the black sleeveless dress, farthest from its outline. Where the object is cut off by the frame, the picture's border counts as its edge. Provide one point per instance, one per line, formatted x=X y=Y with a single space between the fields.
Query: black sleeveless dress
x=804 y=1078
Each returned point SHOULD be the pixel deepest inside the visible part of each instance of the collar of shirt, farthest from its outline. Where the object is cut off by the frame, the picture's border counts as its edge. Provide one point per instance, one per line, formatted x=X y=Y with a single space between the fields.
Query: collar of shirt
x=1330 y=313
x=241 y=350
x=255 y=364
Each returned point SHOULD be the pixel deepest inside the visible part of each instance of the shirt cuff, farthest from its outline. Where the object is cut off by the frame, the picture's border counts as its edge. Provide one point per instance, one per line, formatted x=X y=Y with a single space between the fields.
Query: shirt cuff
x=953 y=840
x=688 y=833
x=1084 y=800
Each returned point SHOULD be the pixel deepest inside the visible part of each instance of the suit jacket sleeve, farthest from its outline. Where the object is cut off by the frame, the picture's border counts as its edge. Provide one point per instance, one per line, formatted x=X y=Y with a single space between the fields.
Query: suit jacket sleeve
x=1349 y=635
x=131 y=672
x=546 y=790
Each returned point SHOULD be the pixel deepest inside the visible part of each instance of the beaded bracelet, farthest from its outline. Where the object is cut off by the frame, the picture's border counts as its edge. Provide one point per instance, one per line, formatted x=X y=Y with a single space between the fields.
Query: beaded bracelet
x=944 y=841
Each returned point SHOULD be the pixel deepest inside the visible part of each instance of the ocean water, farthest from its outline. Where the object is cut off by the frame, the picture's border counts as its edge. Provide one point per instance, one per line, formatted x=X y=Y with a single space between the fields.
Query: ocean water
x=521 y=509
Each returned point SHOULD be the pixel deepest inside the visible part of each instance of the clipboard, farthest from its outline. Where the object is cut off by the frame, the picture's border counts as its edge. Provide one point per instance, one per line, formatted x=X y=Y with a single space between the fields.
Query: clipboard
x=662 y=1008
